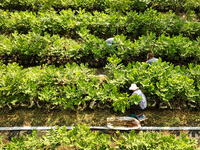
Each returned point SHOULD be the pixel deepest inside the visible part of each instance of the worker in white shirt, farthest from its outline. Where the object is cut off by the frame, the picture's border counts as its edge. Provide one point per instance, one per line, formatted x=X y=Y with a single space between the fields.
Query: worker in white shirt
x=142 y=104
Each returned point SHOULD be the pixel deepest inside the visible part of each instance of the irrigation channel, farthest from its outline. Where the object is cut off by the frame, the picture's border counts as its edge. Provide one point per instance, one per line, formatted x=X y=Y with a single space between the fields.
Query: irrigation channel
x=9 y=132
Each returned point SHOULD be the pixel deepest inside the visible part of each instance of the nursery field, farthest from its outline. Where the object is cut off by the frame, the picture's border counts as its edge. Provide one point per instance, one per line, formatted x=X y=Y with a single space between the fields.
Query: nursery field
x=57 y=69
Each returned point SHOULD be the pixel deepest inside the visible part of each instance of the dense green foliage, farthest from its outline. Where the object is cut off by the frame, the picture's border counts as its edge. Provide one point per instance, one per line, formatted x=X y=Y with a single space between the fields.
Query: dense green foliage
x=100 y=24
x=64 y=87
x=82 y=138
x=43 y=32
x=33 y=49
x=75 y=35
x=102 y=5
x=162 y=81
x=76 y=86
x=45 y=37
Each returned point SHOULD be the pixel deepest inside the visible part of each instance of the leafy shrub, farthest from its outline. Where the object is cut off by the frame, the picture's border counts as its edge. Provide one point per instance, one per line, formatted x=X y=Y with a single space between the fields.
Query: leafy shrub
x=75 y=86
x=81 y=137
x=101 y=24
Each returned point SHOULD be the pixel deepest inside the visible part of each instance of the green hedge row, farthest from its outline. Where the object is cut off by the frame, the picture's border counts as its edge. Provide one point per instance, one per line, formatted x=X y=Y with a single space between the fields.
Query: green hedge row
x=104 y=25
x=76 y=87
x=33 y=49
x=52 y=86
x=162 y=82
x=103 y=5
x=82 y=138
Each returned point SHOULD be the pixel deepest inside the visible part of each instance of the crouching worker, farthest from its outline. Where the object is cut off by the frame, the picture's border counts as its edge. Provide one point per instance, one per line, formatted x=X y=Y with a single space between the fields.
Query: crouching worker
x=109 y=41
x=142 y=104
x=151 y=58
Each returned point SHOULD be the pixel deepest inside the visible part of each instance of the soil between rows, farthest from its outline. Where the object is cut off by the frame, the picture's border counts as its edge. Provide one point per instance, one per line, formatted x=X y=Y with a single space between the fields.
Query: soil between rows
x=97 y=117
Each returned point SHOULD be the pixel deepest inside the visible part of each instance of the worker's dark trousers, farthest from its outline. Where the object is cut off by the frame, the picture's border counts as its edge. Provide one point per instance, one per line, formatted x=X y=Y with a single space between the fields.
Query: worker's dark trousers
x=134 y=109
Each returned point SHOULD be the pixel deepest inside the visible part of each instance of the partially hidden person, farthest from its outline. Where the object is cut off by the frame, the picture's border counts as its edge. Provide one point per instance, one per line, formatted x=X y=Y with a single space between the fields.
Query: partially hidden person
x=142 y=104
x=109 y=41
x=151 y=58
